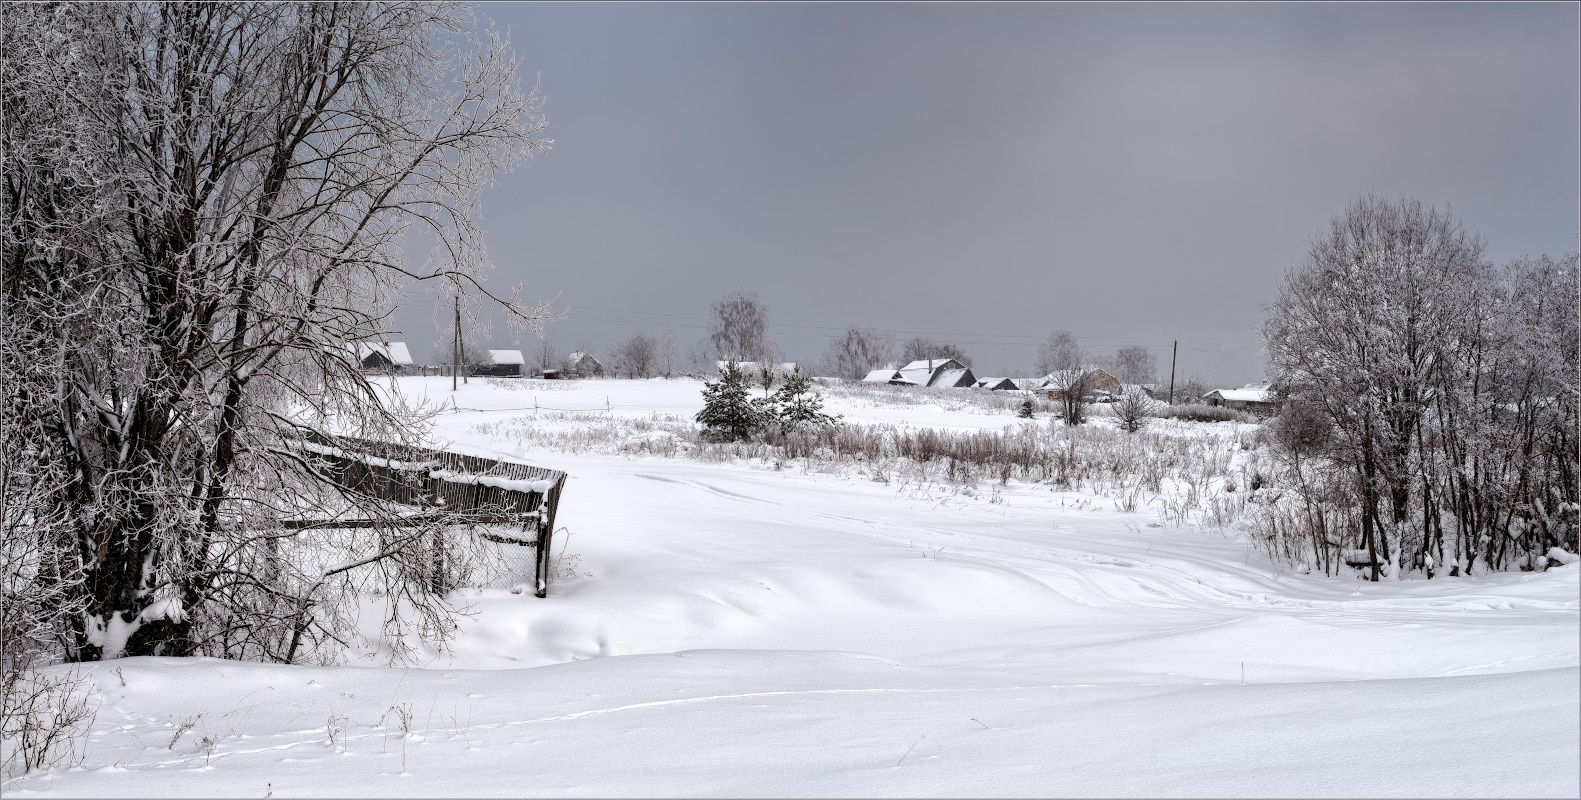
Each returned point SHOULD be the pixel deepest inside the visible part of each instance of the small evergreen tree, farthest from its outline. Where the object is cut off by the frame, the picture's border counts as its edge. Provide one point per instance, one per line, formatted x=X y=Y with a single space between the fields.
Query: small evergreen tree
x=727 y=407
x=766 y=378
x=1026 y=409
x=798 y=406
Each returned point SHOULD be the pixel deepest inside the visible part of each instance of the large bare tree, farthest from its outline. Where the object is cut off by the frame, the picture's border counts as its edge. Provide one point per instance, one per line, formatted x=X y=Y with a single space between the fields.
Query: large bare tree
x=1059 y=352
x=858 y=351
x=205 y=205
x=738 y=328
x=1449 y=385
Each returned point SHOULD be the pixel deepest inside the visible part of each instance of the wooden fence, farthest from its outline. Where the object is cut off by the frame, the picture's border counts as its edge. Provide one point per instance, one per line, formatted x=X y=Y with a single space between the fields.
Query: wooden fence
x=442 y=487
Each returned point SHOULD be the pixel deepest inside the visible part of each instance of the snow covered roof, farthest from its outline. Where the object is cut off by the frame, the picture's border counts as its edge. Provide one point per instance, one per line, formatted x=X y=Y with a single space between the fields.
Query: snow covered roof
x=395 y=352
x=507 y=357
x=933 y=364
x=997 y=384
x=952 y=378
x=1252 y=393
x=579 y=355
x=881 y=376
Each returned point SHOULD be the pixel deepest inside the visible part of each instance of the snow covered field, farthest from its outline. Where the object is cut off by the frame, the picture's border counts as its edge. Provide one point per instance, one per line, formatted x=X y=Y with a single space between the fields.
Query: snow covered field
x=741 y=630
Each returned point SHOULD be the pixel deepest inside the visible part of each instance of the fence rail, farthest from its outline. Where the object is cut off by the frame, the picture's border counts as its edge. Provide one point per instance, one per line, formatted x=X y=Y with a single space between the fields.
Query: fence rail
x=444 y=487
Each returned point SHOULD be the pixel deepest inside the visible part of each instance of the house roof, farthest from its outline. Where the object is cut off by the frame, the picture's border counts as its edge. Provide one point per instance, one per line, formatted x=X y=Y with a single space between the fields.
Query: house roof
x=933 y=363
x=1250 y=394
x=507 y=357
x=951 y=378
x=395 y=352
x=579 y=355
x=997 y=384
x=881 y=376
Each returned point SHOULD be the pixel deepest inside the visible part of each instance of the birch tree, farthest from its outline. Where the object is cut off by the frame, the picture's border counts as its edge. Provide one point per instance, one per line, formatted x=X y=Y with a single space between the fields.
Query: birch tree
x=204 y=211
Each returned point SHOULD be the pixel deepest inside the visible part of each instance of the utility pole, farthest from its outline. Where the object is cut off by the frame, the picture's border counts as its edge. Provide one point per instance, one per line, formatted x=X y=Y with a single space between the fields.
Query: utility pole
x=1173 y=351
x=455 y=345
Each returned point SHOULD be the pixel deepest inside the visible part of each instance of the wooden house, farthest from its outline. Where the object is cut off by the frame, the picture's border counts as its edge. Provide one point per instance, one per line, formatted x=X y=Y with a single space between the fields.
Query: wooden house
x=1096 y=385
x=997 y=384
x=1257 y=398
x=584 y=365
x=502 y=364
x=942 y=372
x=392 y=357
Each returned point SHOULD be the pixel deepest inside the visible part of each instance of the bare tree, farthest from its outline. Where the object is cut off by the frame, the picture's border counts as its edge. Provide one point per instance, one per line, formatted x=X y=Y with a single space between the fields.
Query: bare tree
x=1449 y=386
x=920 y=349
x=739 y=327
x=858 y=351
x=205 y=205
x=700 y=357
x=547 y=356
x=1135 y=364
x=1072 y=389
x=637 y=356
x=667 y=356
x=1059 y=352
x=1191 y=391
x=1134 y=409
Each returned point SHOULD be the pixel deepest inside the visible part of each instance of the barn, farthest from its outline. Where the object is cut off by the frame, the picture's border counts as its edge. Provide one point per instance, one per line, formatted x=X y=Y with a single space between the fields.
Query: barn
x=502 y=364
x=997 y=384
x=945 y=372
x=584 y=365
x=390 y=357
x=1258 y=398
x=891 y=377
x=1096 y=383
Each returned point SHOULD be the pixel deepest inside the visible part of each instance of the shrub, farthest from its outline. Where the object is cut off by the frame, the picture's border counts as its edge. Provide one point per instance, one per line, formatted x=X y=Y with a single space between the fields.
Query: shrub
x=1205 y=413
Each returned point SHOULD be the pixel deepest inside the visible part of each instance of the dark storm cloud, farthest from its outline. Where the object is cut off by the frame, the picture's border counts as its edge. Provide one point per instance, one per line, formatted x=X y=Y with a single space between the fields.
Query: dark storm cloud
x=1134 y=173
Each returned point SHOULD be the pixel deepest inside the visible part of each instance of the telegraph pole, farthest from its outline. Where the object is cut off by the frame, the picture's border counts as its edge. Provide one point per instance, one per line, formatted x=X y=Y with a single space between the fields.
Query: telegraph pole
x=1173 y=351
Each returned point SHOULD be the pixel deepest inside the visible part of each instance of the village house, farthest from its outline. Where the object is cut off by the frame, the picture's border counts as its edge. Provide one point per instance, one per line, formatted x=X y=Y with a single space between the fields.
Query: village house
x=1096 y=384
x=1257 y=398
x=501 y=364
x=584 y=365
x=997 y=384
x=888 y=375
x=939 y=372
x=391 y=357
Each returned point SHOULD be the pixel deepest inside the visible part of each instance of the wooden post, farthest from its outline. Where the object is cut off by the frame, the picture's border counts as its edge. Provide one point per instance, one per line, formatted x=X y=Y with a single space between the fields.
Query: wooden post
x=455 y=346
x=541 y=558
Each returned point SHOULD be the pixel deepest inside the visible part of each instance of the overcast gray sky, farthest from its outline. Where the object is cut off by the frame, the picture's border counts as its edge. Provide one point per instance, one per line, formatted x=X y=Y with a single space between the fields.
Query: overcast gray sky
x=985 y=174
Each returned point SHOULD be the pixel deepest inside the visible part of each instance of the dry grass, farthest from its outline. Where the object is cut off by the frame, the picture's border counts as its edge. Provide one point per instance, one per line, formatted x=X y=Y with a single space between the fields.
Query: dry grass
x=1188 y=474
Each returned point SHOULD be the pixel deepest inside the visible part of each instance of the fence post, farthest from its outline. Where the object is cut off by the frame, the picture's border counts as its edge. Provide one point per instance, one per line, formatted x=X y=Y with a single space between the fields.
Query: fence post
x=541 y=561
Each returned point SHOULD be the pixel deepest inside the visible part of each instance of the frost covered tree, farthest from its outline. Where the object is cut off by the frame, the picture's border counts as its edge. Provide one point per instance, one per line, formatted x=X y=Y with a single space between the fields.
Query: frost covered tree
x=728 y=408
x=637 y=357
x=798 y=407
x=1135 y=364
x=548 y=356
x=738 y=328
x=1191 y=390
x=1134 y=409
x=919 y=349
x=1449 y=386
x=1058 y=352
x=857 y=352
x=667 y=356
x=205 y=205
x=1072 y=390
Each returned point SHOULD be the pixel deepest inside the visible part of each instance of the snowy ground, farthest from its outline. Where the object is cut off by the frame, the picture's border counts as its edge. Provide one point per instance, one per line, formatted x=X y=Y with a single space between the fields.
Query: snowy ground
x=737 y=630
